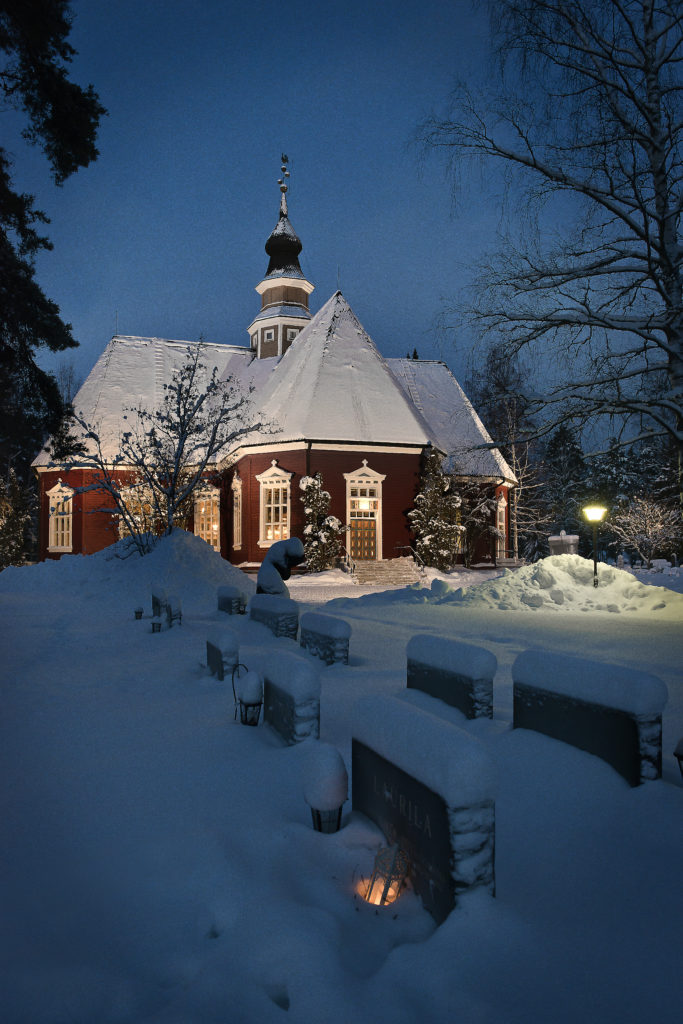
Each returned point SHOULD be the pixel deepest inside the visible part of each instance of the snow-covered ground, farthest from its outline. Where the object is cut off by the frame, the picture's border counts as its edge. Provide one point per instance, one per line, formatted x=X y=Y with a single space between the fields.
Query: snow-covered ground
x=158 y=861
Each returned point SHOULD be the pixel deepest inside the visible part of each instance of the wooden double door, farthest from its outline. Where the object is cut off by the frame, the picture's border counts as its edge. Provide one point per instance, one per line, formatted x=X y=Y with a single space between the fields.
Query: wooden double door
x=363 y=539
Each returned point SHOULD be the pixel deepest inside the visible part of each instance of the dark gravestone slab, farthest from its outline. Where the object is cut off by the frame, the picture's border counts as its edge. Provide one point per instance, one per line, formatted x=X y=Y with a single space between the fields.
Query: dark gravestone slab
x=231 y=600
x=607 y=710
x=606 y=732
x=326 y=637
x=457 y=673
x=279 y=614
x=410 y=814
x=294 y=720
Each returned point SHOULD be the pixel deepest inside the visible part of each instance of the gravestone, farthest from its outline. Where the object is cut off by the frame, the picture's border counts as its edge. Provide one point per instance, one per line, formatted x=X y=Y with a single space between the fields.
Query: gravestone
x=279 y=614
x=612 y=712
x=291 y=695
x=222 y=653
x=231 y=600
x=455 y=672
x=429 y=787
x=326 y=637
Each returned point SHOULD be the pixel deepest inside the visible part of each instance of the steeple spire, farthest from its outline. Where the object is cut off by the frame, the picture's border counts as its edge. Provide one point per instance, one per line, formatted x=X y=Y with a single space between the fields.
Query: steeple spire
x=284 y=290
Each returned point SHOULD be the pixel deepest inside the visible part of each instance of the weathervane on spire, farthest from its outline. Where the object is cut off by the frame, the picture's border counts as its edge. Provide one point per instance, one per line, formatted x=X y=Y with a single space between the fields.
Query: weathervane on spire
x=283 y=184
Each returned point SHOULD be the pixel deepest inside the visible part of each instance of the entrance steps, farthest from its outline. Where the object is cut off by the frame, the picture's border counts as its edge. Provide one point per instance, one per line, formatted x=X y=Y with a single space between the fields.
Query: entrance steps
x=393 y=572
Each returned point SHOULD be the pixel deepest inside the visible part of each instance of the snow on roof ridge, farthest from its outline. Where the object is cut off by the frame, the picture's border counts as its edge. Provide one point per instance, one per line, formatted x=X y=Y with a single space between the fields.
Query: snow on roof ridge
x=333 y=381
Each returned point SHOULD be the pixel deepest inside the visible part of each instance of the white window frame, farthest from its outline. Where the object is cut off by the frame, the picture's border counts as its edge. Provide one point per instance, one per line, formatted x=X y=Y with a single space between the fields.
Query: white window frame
x=208 y=525
x=366 y=478
x=292 y=333
x=273 y=479
x=501 y=524
x=236 y=512
x=269 y=334
x=60 y=506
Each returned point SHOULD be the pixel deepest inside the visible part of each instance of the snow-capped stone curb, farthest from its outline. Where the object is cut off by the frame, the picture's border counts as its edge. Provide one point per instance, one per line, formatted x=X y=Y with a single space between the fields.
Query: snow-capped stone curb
x=222 y=653
x=326 y=637
x=606 y=710
x=458 y=673
x=291 y=694
x=231 y=600
x=279 y=614
x=430 y=787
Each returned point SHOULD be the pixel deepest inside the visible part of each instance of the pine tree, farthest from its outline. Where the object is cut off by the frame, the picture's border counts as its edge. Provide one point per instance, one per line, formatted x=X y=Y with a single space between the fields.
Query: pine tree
x=564 y=481
x=15 y=517
x=435 y=519
x=62 y=118
x=323 y=533
x=476 y=514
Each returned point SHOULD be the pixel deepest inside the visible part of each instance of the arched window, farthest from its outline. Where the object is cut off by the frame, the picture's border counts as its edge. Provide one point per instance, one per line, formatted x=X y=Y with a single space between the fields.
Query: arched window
x=275 y=505
x=61 y=517
x=207 y=515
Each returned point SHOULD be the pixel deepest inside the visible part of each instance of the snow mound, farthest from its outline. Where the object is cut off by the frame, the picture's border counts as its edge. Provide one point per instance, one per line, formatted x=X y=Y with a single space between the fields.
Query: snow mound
x=565 y=583
x=181 y=564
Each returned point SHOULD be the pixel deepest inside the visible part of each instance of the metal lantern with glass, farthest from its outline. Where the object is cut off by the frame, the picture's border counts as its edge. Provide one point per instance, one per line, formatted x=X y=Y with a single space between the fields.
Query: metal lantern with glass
x=388 y=876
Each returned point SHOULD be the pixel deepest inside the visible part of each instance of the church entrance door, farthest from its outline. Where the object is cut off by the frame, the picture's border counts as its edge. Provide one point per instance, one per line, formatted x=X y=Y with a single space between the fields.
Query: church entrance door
x=363 y=538
x=364 y=512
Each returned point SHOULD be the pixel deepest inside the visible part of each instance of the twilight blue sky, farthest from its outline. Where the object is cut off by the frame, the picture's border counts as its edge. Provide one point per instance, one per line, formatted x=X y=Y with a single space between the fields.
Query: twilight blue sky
x=168 y=226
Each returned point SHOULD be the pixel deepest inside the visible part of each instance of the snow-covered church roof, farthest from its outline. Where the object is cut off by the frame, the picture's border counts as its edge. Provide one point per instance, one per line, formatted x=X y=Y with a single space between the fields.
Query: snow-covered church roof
x=131 y=373
x=455 y=426
x=332 y=384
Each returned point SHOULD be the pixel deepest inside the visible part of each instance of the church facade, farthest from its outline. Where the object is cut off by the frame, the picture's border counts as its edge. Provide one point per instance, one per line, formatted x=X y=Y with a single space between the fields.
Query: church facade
x=329 y=403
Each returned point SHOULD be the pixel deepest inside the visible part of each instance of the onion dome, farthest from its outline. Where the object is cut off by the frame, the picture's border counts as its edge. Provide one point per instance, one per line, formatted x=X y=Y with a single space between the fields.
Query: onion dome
x=284 y=245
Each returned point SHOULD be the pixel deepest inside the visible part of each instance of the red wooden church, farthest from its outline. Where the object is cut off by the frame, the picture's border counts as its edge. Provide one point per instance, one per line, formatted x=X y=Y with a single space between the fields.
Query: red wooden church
x=334 y=406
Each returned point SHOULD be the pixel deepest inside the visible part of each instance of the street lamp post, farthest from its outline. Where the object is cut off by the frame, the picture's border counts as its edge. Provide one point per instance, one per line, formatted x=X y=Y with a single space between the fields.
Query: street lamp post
x=594 y=514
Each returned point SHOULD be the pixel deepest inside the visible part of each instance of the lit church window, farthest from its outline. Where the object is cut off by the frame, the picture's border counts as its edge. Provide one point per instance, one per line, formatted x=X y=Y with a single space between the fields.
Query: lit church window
x=60 y=500
x=207 y=504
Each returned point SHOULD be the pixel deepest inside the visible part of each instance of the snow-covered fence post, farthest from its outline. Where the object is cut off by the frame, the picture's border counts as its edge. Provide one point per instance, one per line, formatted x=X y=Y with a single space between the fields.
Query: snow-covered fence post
x=430 y=787
x=458 y=673
x=606 y=710
x=326 y=637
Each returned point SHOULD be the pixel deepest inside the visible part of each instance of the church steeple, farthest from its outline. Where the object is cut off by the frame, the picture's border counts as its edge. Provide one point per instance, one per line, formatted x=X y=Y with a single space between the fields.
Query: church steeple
x=284 y=290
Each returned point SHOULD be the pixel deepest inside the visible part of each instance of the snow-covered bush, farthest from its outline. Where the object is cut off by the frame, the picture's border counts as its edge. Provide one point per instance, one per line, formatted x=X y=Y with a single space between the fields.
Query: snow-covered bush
x=323 y=533
x=435 y=519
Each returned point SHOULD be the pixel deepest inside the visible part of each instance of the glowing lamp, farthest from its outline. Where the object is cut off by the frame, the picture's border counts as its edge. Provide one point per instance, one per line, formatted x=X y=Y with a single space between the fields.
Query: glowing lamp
x=388 y=876
x=594 y=515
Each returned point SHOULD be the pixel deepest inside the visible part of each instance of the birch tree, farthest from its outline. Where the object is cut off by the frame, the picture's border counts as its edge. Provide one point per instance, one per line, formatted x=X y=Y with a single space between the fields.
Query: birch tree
x=168 y=451
x=586 y=120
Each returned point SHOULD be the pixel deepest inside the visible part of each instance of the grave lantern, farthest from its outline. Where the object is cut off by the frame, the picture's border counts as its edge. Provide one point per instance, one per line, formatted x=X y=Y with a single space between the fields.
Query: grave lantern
x=248 y=694
x=594 y=514
x=388 y=876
